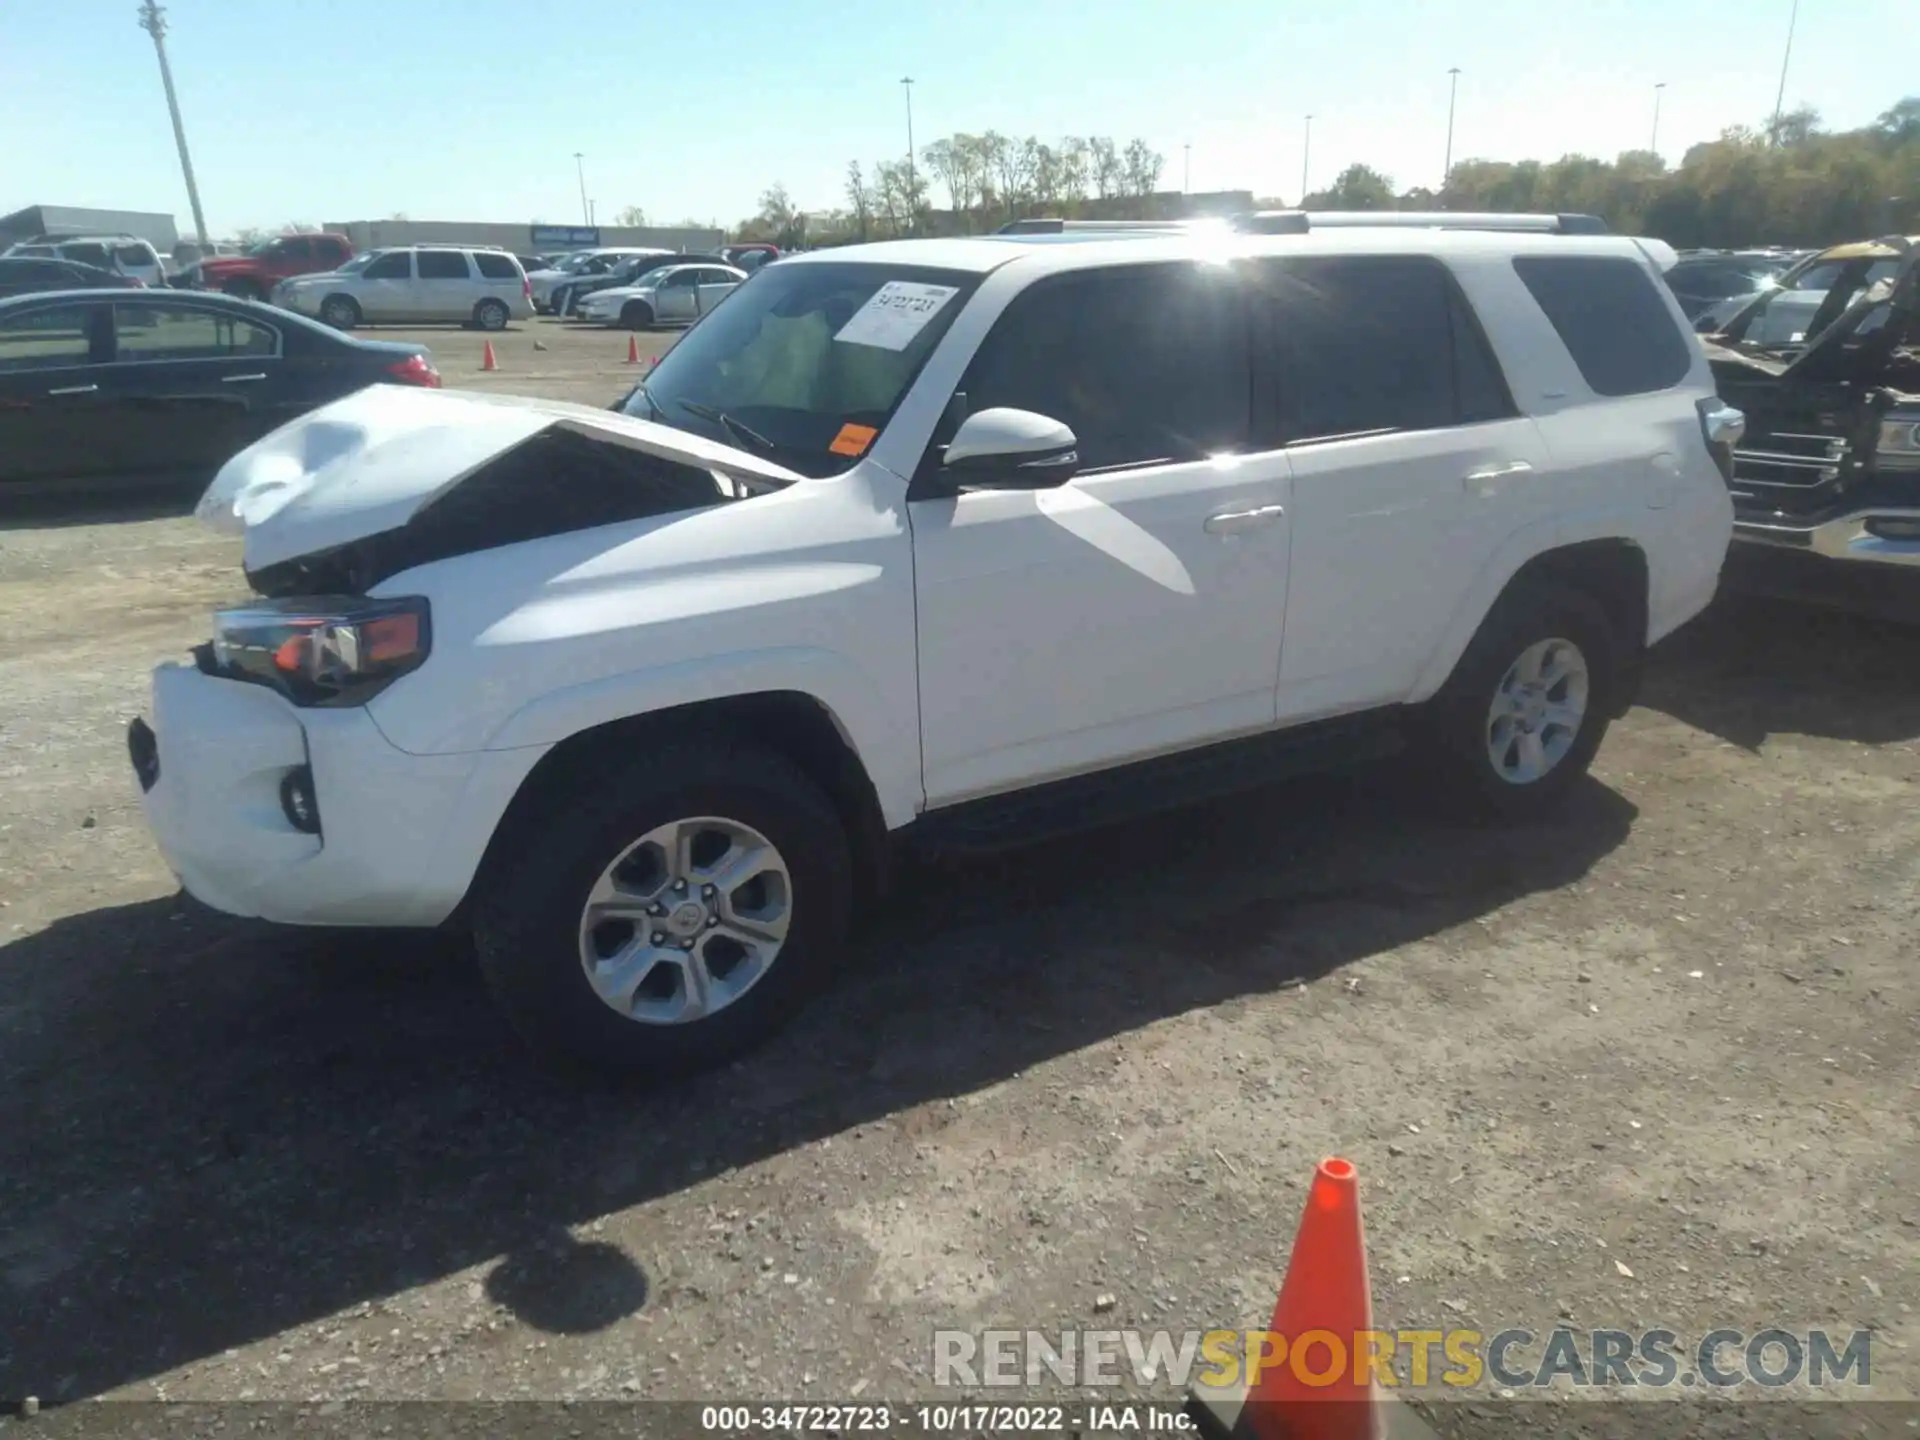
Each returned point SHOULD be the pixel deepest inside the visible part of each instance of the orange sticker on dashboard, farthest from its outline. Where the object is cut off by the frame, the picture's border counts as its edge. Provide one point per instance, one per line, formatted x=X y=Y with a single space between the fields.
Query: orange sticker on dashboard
x=853 y=440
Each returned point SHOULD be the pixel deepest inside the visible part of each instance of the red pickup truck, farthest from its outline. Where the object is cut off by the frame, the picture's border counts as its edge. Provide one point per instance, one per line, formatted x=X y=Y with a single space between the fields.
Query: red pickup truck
x=253 y=275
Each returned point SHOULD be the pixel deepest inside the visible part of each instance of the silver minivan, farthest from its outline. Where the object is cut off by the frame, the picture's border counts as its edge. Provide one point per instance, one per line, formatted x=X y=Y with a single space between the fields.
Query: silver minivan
x=417 y=284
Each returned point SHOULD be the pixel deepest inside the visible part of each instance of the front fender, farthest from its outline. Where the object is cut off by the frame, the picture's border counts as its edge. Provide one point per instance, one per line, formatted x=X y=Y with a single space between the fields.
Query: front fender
x=884 y=742
x=1552 y=533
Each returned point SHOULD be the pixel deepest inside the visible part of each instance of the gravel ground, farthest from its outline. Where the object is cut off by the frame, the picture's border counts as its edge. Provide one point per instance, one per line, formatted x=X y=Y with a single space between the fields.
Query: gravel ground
x=1652 y=1064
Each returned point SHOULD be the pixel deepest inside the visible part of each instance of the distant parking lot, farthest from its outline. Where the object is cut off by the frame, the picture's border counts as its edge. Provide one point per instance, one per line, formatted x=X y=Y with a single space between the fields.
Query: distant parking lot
x=1653 y=1063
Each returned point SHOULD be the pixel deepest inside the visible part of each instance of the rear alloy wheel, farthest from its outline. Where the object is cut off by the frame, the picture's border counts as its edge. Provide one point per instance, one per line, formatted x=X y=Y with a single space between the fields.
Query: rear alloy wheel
x=1524 y=712
x=637 y=315
x=665 y=913
x=340 y=311
x=491 y=315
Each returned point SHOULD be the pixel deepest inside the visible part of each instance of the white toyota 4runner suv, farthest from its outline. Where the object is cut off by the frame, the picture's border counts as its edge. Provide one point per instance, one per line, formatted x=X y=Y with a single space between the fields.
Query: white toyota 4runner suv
x=965 y=540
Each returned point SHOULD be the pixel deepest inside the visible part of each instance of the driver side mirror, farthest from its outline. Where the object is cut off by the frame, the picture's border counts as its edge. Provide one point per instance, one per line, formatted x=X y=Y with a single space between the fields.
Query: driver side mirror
x=1008 y=449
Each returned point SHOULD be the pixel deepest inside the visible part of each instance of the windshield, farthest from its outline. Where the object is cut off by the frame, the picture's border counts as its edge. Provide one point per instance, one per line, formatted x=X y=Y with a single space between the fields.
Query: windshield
x=805 y=363
x=574 y=262
x=358 y=262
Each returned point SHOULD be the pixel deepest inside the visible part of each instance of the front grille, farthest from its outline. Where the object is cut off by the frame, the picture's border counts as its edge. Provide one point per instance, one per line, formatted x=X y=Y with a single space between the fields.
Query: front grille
x=1790 y=471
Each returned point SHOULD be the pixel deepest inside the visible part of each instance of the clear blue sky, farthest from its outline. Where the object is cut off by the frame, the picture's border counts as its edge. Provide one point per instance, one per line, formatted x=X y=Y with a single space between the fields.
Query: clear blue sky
x=472 y=109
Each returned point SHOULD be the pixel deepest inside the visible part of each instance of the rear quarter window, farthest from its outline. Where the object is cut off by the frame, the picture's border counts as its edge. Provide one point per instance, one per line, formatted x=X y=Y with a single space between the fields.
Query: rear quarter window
x=496 y=267
x=1612 y=320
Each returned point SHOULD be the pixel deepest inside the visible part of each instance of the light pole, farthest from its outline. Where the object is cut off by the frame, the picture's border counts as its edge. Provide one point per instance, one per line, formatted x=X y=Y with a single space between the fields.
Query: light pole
x=1453 y=94
x=1654 y=144
x=580 y=165
x=1306 y=153
x=1780 y=95
x=1186 y=169
x=153 y=20
x=913 y=175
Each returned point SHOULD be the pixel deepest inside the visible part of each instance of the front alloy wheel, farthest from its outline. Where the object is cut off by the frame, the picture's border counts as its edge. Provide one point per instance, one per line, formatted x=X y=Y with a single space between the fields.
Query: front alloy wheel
x=686 y=921
x=1537 y=711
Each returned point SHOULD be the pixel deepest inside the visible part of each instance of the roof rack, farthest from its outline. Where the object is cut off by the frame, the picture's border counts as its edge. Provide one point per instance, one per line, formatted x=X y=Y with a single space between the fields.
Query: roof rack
x=1300 y=222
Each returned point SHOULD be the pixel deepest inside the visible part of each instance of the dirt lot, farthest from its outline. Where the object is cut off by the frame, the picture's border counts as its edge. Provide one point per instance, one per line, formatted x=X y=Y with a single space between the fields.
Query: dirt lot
x=1651 y=1065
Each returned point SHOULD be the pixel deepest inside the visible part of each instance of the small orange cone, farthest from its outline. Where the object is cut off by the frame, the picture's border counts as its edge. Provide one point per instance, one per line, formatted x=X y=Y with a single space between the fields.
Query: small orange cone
x=1323 y=1389
x=487 y=362
x=633 y=349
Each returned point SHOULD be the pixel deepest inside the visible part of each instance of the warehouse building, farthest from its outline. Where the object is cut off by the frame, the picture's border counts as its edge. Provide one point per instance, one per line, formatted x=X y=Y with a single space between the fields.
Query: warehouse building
x=523 y=239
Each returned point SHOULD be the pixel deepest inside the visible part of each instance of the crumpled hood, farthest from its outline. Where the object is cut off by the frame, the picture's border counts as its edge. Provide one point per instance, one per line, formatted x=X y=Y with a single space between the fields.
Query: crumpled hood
x=368 y=463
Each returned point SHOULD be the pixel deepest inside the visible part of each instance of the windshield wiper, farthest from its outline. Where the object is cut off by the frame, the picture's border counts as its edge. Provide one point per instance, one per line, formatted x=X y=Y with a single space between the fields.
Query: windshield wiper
x=739 y=429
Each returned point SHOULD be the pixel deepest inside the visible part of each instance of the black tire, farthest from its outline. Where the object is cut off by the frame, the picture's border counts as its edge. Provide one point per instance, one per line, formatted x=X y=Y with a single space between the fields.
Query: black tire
x=492 y=315
x=244 y=290
x=1457 y=729
x=342 y=312
x=529 y=900
x=637 y=315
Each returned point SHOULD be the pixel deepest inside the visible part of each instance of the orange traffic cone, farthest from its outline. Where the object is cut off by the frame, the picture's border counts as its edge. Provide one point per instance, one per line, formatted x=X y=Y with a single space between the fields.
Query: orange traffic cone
x=487 y=362
x=633 y=349
x=1322 y=1389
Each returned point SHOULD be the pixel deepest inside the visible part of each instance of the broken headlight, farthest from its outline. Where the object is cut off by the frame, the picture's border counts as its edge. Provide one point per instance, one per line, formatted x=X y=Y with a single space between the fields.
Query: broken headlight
x=321 y=650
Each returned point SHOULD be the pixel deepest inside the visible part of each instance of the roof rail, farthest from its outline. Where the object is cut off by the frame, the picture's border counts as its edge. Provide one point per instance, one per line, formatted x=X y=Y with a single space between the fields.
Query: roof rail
x=1299 y=222
x=1056 y=226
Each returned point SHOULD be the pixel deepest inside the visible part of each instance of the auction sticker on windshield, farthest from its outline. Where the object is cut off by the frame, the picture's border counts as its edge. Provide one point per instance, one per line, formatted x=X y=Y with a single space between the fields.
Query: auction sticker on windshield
x=898 y=311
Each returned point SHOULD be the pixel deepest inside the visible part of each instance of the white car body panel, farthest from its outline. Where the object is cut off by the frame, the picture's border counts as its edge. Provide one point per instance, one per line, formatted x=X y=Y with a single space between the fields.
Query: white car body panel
x=962 y=646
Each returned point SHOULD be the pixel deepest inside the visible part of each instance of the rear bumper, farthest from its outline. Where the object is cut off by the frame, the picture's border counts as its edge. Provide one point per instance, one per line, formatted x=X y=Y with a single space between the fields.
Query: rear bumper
x=399 y=835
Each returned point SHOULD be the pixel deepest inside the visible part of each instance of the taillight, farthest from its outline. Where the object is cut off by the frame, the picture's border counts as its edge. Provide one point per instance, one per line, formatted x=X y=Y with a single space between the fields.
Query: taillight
x=415 y=370
x=1721 y=426
x=526 y=288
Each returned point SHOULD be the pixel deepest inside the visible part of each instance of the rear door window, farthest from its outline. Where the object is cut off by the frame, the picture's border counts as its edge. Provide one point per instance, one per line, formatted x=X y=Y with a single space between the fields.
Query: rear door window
x=442 y=265
x=1612 y=320
x=88 y=253
x=184 y=332
x=1368 y=344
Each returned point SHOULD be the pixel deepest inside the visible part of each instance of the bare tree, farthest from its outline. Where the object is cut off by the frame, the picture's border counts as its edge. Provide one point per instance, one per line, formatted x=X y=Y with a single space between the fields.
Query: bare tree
x=859 y=199
x=633 y=217
x=1107 y=173
x=1141 y=166
x=894 y=195
x=1074 y=165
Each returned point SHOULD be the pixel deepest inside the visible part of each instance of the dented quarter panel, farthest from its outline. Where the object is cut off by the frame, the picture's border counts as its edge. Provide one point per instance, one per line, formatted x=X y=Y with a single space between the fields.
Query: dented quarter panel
x=738 y=598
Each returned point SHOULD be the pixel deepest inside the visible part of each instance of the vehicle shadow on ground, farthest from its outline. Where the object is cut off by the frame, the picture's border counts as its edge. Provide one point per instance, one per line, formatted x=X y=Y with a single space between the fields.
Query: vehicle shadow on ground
x=1752 y=667
x=52 y=505
x=211 y=1131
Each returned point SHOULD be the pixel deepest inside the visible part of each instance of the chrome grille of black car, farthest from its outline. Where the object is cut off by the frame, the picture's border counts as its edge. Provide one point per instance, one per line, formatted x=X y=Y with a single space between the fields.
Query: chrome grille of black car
x=1790 y=472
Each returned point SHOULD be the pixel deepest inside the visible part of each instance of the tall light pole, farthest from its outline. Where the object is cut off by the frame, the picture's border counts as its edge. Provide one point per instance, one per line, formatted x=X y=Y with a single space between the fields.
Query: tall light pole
x=153 y=20
x=1306 y=154
x=1654 y=144
x=1453 y=94
x=1186 y=169
x=580 y=165
x=913 y=175
x=1780 y=95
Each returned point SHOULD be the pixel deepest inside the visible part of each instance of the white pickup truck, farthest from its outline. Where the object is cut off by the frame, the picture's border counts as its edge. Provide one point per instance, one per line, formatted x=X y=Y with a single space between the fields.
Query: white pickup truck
x=963 y=541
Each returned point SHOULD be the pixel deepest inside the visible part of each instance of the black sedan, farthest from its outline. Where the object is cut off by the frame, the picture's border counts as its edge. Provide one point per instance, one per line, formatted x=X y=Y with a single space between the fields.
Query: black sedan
x=129 y=382
x=27 y=275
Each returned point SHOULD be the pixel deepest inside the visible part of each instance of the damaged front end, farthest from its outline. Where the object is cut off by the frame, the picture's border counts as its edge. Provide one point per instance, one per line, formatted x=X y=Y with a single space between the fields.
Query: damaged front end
x=1826 y=482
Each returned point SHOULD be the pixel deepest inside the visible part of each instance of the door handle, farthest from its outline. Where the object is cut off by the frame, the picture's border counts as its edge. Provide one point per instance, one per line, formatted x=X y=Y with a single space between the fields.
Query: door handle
x=242 y=379
x=1487 y=479
x=1233 y=522
x=74 y=390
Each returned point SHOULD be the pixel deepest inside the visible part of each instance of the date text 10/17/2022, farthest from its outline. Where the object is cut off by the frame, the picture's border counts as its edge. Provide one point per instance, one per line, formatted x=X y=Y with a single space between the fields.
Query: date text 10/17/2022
x=942 y=1419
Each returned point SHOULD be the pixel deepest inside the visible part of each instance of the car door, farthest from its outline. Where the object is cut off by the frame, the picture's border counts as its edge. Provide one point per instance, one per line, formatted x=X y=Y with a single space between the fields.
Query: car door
x=1139 y=607
x=711 y=285
x=1411 y=466
x=191 y=385
x=385 y=288
x=675 y=298
x=444 y=286
x=52 y=406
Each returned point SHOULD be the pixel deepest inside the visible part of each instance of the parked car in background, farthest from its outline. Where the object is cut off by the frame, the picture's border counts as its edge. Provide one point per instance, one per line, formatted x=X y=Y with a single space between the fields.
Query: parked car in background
x=1702 y=280
x=531 y=263
x=1826 y=483
x=567 y=295
x=136 y=381
x=21 y=275
x=253 y=275
x=582 y=263
x=650 y=706
x=750 y=256
x=415 y=284
x=669 y=295
x=127 y=254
